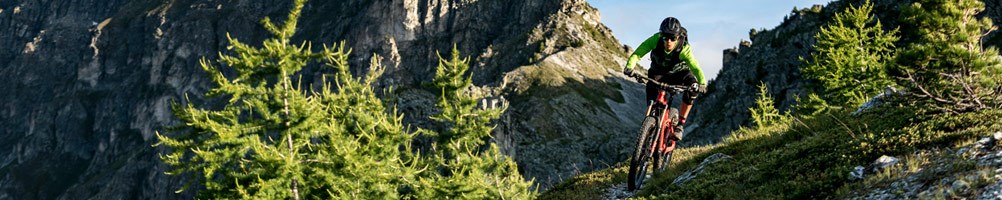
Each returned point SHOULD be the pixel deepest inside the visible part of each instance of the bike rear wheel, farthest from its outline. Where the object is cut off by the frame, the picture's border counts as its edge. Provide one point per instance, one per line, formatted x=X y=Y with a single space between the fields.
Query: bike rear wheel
x=642 y=154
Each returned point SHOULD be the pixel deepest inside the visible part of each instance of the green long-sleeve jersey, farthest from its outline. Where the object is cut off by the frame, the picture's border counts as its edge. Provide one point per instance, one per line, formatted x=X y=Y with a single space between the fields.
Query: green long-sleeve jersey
x=686 y=55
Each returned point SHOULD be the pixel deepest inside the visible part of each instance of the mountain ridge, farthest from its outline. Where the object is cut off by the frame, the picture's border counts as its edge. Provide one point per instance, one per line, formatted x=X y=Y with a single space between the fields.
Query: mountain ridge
x=773 y=57
x=892 y=151
x=90 y=81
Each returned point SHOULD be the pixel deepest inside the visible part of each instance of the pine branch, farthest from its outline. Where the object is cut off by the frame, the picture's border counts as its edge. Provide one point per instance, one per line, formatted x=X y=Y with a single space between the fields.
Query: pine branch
x=972 y=96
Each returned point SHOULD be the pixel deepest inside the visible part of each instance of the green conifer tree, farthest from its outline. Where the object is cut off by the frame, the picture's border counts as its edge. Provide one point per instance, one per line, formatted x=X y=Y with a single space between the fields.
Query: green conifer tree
x=255 y=146
x=765 y=113
x=368 y=152
x=852 y=51
x=469 y=167
x=947 y=67
x=275 y=140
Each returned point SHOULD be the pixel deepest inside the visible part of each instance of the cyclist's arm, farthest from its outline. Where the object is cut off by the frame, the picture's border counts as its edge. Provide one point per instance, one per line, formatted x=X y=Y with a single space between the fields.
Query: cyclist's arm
x=693 y=65
x=642 y=50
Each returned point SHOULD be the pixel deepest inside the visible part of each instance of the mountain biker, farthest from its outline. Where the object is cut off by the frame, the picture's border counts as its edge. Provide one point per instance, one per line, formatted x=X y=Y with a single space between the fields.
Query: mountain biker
x=672 y=63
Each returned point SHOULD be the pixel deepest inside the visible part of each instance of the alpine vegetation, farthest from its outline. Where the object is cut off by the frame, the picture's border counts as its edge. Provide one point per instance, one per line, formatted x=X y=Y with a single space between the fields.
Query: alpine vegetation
x=275 y=139
x=765 y=113
x=851 y=54
x=947 y=68
x=944 y=123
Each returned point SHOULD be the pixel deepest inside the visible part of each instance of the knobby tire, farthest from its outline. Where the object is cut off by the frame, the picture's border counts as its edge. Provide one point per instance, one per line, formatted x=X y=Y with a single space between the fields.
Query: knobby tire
x=638 y=164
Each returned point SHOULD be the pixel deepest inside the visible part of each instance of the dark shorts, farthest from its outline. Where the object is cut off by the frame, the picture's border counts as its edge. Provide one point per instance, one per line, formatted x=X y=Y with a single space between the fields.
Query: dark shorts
x=684 y=77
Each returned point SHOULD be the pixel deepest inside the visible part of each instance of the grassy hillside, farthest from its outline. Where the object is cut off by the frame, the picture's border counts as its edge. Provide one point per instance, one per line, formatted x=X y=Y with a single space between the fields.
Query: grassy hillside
x=916 y=144
x=811 y=157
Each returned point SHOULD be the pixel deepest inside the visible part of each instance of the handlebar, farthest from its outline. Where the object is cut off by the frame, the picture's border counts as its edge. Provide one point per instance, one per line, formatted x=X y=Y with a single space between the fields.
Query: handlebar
x=665 y=86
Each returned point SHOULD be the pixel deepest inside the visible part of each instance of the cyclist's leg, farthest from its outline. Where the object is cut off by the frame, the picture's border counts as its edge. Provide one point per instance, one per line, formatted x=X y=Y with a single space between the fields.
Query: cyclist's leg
x=687 y=100
x=689 y=97
x=684 y=77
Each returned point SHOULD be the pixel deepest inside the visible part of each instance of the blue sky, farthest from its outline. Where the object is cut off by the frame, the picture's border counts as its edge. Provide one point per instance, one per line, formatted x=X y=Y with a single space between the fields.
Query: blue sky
x=713 y=25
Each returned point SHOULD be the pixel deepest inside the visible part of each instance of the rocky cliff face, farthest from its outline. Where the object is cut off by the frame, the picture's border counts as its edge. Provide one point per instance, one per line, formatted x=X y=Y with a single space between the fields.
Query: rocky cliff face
x=773 y=57
x=88 y=82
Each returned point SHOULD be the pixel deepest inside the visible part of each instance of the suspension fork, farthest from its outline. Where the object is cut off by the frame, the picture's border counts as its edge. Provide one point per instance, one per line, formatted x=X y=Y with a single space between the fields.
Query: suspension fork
x=665 y=130
x=659 y=142
x=650 y=106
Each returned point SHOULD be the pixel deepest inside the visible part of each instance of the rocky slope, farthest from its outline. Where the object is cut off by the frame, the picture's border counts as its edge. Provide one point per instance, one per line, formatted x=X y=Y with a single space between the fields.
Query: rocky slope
x=784 y=162
x=973 y=173
x=773 y=57
x=88 y=82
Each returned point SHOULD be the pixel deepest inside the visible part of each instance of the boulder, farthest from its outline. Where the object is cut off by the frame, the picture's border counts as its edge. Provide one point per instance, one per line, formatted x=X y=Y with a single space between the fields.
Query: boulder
x=857 y=173
x=692 y=174
x=877 y=100
x=884 y=162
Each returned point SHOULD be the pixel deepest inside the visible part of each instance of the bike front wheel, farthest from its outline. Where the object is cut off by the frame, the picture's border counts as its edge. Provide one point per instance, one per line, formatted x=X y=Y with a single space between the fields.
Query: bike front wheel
x=642 y=154
x=661 y=161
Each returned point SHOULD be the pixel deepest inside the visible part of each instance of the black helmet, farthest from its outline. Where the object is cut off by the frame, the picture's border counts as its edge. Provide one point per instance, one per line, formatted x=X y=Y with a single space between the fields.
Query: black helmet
x=670 y=27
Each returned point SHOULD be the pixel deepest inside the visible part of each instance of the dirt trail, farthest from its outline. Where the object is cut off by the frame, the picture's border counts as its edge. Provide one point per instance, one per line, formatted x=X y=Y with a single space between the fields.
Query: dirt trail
x=617 y=192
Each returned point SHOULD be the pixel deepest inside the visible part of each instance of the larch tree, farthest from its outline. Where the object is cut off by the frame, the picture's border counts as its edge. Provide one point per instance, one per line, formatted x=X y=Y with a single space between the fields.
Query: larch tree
x=469 y=166
x=851 y=54
x=947 y=68
x=274 y=139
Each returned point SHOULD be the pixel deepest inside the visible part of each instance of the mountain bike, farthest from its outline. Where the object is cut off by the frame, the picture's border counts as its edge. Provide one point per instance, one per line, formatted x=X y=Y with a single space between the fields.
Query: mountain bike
x=657 y=134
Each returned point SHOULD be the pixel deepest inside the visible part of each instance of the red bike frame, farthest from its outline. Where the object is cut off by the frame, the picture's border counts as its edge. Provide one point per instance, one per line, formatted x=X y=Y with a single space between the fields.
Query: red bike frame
x=660 y=143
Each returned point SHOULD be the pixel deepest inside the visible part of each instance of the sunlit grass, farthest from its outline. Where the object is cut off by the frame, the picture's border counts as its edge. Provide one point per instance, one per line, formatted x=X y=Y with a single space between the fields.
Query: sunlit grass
x=810 y=157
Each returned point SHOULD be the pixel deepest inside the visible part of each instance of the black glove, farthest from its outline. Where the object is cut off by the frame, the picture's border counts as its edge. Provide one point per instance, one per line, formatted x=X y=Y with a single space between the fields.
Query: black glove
x=628 y=71
x=696 y=87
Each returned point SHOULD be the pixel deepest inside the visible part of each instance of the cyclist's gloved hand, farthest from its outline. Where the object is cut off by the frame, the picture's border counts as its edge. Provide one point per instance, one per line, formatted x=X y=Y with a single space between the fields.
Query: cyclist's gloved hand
x=628 y=71
x=641 y=80
x=698 y=88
